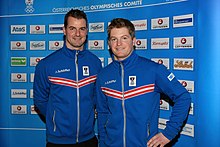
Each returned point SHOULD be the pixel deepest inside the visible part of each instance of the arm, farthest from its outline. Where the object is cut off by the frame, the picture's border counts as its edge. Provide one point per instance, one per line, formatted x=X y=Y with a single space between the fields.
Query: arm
x=102 y=110
x=158 y=140
x=99 y=67
x=41 y=88
x=168 y=84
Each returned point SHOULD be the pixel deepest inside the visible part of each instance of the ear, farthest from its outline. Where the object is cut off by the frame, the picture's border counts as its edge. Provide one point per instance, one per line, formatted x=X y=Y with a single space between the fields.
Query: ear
x=64 y=31
x=108 y=43
x=134 y=41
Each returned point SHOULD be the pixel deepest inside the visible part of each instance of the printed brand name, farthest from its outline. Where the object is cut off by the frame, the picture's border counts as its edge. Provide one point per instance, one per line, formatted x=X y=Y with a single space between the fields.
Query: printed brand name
x=109 y=82
x=62 y=70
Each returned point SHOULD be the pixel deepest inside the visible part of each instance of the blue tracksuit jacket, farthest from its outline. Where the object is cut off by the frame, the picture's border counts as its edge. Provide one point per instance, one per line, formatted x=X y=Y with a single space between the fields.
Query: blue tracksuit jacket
x=128 y=99
x=64 y=88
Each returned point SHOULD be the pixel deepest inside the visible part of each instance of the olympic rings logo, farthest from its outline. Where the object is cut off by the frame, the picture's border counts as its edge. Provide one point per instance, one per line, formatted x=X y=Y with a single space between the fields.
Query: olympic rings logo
x=29 y=9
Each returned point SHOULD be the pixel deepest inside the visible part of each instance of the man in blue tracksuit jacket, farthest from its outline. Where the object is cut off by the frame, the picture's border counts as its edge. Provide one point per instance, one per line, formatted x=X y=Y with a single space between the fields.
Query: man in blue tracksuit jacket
x=64 y=87
x=128 y=95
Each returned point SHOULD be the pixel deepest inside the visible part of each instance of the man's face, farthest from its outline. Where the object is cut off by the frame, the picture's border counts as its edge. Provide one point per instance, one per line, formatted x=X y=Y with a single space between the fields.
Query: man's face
x=121 y=43
x=75 y=32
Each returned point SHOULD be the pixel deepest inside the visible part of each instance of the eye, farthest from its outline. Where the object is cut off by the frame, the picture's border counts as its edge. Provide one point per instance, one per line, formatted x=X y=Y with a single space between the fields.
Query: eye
x=83 y=29
x=124 y=38
x=113 y=39
x=72 y=28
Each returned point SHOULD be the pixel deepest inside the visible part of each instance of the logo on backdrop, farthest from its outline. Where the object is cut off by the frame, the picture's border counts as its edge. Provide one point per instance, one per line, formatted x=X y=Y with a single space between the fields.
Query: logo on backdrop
x=141 y=44
x=183 y=20
x=34 y=60
x=96 y=44
x=37 y=29
x=160 y=23
x=140 y=25
x=164 y=61
x=18 y=29
x=55 y=45
x=18 y=77
x=183 y=42
x=18 y=45
x=160 y=43
x=37 y=45
x=18 y=61
x=164 y=105
x=96 y=27
x=29 y=6
x=18 y=93
x=189 y=85
x=183 y=64
x=18 y=109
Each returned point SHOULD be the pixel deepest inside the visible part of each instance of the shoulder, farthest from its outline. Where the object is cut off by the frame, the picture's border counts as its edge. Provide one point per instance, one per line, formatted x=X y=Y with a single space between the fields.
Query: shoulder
x=147 y=62
x=53 y=55
x=50 y=59
x=107 y=70
x=91 y=55
x=93 y=59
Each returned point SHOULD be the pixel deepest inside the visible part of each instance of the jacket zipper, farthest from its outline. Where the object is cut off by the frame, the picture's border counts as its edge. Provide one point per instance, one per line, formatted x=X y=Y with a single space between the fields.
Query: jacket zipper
x=123 y=104
x=54 y=123
x=78 y=110
x=148 y=129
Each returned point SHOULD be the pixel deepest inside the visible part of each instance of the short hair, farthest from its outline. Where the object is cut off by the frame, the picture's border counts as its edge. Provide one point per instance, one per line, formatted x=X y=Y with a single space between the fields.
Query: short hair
x=120 y=23
x=76 y=14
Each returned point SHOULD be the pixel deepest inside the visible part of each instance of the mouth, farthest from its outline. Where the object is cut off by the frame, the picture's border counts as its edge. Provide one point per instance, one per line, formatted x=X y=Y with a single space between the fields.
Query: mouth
x=119 y=49
x=77 y=38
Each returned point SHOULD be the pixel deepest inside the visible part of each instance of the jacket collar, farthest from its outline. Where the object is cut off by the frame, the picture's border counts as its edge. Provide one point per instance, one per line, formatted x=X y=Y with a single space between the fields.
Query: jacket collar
x=129 y=61
x=72 y=53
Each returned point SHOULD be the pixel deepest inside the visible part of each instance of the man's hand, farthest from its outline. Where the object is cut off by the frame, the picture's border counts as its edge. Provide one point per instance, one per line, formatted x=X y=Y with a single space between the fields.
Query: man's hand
x=158 y=140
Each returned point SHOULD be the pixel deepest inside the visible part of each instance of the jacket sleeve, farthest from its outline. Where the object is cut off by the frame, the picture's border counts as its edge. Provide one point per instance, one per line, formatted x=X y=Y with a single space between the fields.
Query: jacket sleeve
x=102 y=110
x=99 y=67
x=41 y=88
x=167 y=83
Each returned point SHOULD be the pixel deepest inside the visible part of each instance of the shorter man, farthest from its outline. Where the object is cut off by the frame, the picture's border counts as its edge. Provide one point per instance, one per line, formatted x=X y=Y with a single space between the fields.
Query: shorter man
x=128 y=95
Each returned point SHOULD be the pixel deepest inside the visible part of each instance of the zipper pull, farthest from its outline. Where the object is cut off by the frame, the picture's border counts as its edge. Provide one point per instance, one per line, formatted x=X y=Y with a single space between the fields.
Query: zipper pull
x=76 y=56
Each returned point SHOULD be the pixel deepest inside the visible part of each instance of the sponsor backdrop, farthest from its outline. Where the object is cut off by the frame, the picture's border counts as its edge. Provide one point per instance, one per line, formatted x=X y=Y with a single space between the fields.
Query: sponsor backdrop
x=166 y=32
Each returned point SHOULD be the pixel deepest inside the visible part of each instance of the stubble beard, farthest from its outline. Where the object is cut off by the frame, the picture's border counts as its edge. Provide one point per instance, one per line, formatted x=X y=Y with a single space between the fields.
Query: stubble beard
x=75 y=44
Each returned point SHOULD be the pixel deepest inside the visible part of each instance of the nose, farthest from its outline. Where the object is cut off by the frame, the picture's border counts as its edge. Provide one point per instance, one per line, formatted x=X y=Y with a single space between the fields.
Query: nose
x=119 y=42
x=77 y=32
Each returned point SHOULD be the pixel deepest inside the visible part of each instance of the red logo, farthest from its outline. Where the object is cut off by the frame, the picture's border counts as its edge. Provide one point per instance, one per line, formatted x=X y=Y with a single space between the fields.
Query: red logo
x=160 y=61
x=37 y=59
x=160 y=21
x=161 y=102
x=18 y=76
x=184 y=83
x=96 y=43
x=183 y=40
x=56 y=43
x=19 y=108
x=18 y=44
x=138 y=42
x=37 y=28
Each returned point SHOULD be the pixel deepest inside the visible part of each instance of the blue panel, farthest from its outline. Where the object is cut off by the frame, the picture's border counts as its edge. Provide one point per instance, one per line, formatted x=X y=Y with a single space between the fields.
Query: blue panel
x=208 y=132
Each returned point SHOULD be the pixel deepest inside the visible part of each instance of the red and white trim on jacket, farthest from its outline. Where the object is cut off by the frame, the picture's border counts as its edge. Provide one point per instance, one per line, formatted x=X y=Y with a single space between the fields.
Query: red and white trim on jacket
x=72 y=83
x=130 y=93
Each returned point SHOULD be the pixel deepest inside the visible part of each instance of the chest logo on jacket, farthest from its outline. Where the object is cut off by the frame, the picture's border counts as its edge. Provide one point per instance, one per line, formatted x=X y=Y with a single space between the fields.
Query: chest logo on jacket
x=85 y=70
x=132 y=80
